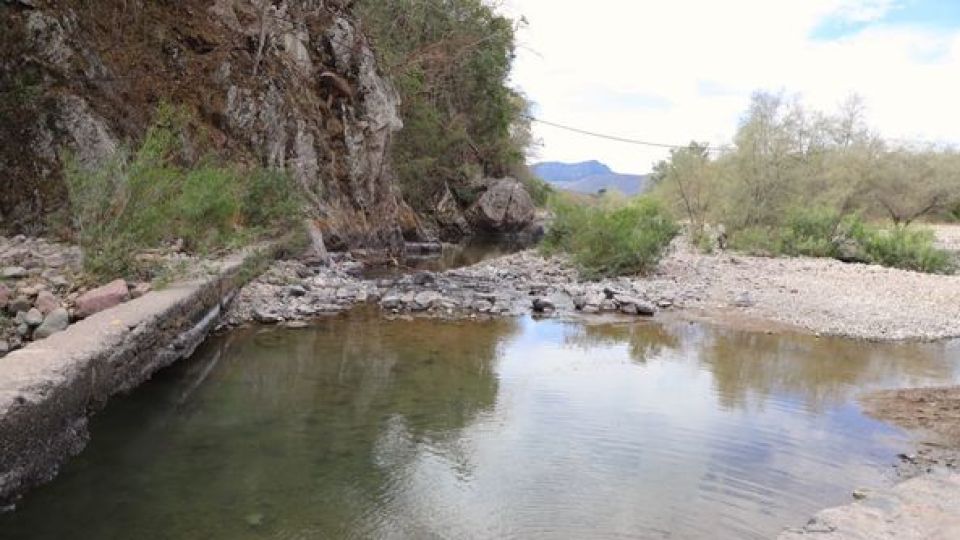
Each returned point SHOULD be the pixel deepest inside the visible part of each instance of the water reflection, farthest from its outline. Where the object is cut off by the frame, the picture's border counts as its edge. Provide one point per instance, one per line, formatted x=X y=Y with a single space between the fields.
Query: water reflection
x=363 y=428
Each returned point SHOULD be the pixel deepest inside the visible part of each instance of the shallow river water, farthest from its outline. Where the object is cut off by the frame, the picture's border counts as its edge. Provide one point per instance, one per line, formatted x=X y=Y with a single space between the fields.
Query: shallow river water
x=366 y=428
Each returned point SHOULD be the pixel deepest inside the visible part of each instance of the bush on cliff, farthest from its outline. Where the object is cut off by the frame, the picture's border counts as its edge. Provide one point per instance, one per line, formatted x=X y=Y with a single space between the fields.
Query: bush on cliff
x=144 y=199
x=611 y=238
x=450 y=61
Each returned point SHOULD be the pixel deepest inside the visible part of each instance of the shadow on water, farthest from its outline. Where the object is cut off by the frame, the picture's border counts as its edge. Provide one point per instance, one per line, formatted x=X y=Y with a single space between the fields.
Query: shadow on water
x=366 y=428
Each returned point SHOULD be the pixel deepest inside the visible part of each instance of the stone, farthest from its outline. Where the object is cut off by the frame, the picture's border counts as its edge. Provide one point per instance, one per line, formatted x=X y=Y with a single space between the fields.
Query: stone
x=140 y=289
x=13 y=272
x=56 y=321
x=634 y=306
x=579 y=302
x=4 y=347
x=34 y=317
x=23 y=329
x=505 y=207
x=424 y=278
x=46 y=302
x=101 y=298
x=265 y=316
x=18 y=304
x=607 y=306
x=4 y=296
x=426 y=300
x=391 y=301
x=543 y=305
x=296 y=291
x=29 y=292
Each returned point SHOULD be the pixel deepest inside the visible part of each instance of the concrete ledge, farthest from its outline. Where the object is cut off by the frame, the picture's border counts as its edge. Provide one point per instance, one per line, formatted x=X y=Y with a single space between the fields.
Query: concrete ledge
x=49 y=389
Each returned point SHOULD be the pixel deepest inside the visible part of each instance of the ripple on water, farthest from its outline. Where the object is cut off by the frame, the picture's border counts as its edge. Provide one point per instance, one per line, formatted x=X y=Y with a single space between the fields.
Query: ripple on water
x=364 y=428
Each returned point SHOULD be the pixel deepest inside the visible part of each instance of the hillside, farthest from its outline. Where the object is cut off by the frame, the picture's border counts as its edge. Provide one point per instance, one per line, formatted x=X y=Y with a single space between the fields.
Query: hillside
x=590 y=177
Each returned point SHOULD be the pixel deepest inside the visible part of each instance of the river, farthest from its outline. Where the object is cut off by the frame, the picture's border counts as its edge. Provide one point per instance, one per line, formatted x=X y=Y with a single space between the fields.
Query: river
x=360 y=427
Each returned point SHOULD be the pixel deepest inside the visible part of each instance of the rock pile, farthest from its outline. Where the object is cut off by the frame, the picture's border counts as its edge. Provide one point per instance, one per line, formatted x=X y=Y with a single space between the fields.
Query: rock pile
x=41 y=291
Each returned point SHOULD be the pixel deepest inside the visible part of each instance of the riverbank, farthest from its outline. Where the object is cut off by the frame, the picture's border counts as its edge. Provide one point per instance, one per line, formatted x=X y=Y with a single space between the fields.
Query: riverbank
x=50 y=388
x=818 y=296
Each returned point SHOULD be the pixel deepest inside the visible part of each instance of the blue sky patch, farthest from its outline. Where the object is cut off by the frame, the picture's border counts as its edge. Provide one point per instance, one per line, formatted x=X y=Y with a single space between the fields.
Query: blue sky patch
x=932 y=14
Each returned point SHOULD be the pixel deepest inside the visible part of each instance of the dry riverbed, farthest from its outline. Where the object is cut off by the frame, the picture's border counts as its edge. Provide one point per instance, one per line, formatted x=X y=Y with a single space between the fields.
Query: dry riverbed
x=819 y=296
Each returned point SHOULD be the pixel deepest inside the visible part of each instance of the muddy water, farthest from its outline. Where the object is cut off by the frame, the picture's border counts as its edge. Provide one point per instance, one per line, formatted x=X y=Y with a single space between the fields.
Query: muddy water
x=363 y=428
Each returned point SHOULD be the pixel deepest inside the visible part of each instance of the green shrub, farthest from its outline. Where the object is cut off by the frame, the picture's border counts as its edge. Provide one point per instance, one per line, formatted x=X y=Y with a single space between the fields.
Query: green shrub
x=755 y=241
x=820 y=233
x=612 y=238
x=910 y=249
x=136 y=201
x=809 y=232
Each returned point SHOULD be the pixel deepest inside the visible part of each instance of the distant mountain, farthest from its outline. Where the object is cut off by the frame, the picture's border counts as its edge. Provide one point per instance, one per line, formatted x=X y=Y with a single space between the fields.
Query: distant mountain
x=590 y=177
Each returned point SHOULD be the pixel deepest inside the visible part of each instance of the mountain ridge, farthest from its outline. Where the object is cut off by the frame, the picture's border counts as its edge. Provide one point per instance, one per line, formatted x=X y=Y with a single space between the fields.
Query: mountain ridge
x=590 y=177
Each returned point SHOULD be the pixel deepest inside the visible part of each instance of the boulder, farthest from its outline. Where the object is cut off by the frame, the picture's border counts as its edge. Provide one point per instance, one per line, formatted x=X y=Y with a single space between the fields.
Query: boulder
x=505 y=207
x=101 y=298
x=56 y=321
x=46 y=302
x=33 y=318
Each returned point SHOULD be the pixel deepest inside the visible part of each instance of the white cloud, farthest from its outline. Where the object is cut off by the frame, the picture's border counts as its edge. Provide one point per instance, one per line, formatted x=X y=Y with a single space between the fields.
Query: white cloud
x=689 y=66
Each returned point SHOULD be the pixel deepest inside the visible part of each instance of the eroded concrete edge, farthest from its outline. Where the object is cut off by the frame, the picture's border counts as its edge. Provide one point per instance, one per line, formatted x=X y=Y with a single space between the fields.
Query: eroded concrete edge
x=49 y=389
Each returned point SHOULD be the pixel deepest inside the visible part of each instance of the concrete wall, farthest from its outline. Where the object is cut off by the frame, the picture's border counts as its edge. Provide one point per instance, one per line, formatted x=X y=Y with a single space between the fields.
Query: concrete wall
x=49 y=389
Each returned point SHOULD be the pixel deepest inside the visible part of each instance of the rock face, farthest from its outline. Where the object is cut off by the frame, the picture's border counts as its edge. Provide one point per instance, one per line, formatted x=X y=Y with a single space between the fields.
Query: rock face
x=102 y=298
x=505 y=207
x=255 y=82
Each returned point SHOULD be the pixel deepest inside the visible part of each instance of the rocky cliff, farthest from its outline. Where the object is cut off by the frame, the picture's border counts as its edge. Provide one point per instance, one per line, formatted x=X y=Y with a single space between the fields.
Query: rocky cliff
x=289 y=84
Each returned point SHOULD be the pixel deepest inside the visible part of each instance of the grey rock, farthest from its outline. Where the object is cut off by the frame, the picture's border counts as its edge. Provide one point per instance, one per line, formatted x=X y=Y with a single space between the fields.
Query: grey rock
x=13 y=272
x=4 y=347
x=608 y=306
x=4 y=296
x=426 y=300
x=543 y=305
x=424 y=278
x=33 y=317
x=391 y=301
x=505 y=207
x=56 y=321
x=265 y=316
x=23 y=329
x=296 y=291
x=634 y=306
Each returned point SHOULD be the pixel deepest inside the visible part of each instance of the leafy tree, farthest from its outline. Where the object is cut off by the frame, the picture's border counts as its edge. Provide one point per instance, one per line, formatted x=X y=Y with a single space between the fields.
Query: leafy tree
x=450 y=60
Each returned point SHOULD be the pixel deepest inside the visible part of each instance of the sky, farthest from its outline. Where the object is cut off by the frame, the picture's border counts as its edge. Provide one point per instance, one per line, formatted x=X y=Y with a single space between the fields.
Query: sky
x=673 y=71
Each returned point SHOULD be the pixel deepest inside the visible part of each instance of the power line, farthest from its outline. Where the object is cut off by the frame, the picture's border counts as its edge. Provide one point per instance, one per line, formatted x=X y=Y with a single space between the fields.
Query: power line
x=614 y=137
